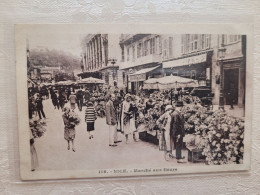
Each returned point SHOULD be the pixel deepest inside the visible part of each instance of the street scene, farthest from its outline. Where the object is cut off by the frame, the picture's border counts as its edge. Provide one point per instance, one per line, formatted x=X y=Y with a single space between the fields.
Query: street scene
x=136 y=100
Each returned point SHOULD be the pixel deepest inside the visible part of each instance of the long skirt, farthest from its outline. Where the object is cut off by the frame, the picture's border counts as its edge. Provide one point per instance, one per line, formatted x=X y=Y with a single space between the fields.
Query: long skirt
x=34 y=158
x=69 y=134
x=72 y=106
x=125 y=126
x=90 y=126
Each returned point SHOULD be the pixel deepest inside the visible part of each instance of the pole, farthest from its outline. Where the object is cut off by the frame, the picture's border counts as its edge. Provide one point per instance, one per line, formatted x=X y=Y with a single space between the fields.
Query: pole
x=171 y=96
x=221 y=94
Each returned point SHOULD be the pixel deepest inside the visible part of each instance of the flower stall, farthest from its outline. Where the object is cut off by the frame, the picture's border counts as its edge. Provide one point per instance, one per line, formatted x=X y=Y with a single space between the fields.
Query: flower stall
x=213 y=135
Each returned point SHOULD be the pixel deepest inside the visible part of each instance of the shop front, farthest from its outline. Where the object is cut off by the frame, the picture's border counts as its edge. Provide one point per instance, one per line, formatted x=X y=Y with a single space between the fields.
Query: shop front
x=234 y=82
x=110 y=74
x=136 y=79
x=196 y=67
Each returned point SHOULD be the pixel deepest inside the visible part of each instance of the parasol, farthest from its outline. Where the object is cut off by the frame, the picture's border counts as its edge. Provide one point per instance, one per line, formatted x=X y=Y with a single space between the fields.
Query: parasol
x=169 y=82
x=91 y=80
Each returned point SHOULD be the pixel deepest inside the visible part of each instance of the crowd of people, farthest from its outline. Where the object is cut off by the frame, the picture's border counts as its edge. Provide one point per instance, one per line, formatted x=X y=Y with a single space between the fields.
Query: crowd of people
x=124 y=113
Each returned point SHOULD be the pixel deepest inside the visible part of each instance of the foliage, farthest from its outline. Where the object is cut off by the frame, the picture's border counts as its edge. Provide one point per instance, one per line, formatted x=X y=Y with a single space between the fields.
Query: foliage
x=54 y=58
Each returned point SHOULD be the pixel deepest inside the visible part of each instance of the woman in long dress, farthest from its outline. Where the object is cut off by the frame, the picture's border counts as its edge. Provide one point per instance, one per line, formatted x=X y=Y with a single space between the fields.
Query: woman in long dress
x=69 y=129
x=126 y=116
x=133 y=111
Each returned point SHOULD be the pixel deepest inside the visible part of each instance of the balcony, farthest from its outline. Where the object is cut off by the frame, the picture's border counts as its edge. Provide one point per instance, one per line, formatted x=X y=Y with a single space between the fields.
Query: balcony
x=127 y=39
x=151 y=58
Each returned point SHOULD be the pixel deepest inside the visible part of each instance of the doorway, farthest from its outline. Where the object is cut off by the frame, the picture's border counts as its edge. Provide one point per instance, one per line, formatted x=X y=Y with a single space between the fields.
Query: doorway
x=231 y=87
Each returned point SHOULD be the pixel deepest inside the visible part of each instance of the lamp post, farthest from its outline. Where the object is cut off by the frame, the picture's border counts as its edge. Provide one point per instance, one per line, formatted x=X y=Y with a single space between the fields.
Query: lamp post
x=222 y=51
x=113 y=61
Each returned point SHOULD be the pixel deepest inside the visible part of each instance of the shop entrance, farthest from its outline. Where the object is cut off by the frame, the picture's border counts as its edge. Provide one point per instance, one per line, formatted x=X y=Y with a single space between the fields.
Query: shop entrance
x=133 y=85
x=231 y=77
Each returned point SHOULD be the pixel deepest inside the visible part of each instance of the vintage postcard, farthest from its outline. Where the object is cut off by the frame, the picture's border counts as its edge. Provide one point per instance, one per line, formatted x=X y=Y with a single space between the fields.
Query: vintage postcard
x=123 y=100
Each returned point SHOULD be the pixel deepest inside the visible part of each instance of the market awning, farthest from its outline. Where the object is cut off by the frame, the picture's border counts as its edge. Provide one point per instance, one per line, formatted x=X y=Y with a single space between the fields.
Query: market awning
x=186 y=61
x=141 y=74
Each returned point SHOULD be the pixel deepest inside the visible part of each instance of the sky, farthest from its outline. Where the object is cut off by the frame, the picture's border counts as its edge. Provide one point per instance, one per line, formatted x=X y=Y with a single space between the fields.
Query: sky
x=68 y=42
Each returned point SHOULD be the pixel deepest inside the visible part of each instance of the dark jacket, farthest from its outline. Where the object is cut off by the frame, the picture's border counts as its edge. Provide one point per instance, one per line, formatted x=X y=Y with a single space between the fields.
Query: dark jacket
x=111 y=113
x=177 y=124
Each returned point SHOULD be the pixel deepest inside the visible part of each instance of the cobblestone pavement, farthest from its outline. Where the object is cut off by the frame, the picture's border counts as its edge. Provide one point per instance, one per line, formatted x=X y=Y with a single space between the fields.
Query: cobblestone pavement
x=93 y=153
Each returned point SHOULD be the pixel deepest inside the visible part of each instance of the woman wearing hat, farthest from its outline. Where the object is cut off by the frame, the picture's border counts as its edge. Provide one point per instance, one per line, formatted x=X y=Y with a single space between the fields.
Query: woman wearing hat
x=126 y=116
x=69 y=129
x=165 y=122
x=90 y=117
x=73 y=100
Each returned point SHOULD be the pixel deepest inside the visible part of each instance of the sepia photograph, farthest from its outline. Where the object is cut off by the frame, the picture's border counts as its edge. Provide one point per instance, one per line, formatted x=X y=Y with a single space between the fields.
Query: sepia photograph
x=105 y=104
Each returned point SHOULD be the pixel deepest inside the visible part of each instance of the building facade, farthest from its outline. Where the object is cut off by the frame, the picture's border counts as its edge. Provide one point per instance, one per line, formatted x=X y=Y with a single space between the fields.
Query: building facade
x=140 y=59
x=100 y=57
x=216 y=61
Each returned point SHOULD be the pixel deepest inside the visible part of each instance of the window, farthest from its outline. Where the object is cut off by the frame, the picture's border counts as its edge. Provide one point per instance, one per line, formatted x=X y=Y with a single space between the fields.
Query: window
x=182 y=44
x=139 y=47
x=128 y=54
x=193 y=74
x=159 y=44
x=224 y=39
x=233 y=38
x=133 y=50
x=187 y=43
x=170 y=46
x=122 y=53
x=152 y=46
x=203 y=41
x=195 y=42
x=165 y=45
x=207 y=41
x=146 y=48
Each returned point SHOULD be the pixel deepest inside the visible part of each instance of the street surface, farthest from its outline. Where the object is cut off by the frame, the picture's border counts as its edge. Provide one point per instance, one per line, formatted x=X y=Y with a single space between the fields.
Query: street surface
x=93 y=153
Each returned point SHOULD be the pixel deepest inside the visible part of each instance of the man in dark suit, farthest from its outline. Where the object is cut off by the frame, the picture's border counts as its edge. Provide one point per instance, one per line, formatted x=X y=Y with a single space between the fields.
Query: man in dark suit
x=111 y=119
x=178 y=132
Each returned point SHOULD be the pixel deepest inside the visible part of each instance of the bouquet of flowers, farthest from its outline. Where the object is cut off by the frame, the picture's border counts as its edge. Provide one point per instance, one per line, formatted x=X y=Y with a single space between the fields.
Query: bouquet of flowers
x=37 y=128
x=100 y=109
x=74 y=118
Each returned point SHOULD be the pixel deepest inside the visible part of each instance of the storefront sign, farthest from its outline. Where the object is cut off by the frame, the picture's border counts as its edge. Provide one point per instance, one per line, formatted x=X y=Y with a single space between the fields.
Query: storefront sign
x=186 y=61
x=138 y=77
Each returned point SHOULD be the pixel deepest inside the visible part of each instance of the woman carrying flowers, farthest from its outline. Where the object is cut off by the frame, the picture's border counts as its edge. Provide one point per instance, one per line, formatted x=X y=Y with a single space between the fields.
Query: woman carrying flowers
x=70 y=120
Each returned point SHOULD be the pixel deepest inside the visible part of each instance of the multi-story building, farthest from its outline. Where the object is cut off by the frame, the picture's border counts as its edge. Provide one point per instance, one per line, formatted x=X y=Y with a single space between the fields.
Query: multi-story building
x=140 y=59
x=100 y=57
x=216 y=61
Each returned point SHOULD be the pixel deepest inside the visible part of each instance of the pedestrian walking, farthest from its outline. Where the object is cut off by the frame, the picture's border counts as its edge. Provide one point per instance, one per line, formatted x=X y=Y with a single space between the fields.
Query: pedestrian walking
x=79 y=97
x=39 y=106
x=72 y=99
x=54 y=98
x=62 y=99
x=111 y=120
x=69 y=129
x=90 y=117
